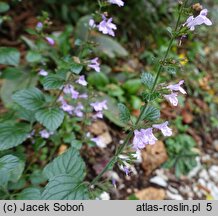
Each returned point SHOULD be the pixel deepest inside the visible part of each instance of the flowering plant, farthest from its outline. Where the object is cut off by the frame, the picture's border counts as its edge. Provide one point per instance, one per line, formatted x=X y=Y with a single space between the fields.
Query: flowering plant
x=65 y=100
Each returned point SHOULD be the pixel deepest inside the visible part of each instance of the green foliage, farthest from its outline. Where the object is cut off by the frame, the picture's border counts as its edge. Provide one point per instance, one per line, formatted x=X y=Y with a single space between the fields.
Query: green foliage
x=12 y=135
x=147 y=79
x=4 y=7
x=30 y=99
x=9 y=56
x=30 y=193
x=65 y=175
x=151 y=113
x=69 y=163
x=124 y=113
x=181 y=154
x=11 y=169
x=64 y=187
x=51 y=118
x=132 y=86
x=53 y=81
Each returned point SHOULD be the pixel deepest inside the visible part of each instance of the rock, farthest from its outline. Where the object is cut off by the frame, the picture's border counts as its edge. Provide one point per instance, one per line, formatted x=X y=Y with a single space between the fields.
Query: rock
x=153 y=156
x=213 y=172
x=98 y=128
x=158 y=181
x=104 y=196
x=215 y=144
x=196 y=169
x=151 y=193
x=105 y=138
x=204 y=175
x=174 y=196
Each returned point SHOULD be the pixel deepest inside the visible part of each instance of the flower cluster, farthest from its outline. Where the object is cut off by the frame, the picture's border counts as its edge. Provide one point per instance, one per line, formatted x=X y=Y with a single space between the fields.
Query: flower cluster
x=145 y=137
x=192 y=21
x=106 y=26
x=172 y=98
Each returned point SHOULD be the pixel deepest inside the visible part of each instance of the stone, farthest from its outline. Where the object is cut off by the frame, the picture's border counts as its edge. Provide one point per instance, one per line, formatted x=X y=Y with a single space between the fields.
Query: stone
x=153 y=156
x=151 y=193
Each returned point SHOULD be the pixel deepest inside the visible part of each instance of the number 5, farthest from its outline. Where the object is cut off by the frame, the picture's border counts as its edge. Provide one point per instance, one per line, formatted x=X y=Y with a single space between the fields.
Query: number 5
x=209 y=206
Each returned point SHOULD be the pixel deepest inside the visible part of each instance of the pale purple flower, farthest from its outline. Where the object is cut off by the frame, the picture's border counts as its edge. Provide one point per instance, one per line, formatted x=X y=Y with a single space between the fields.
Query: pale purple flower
x=67 y=108
x=39 y=25
x=120 y=3
x=92 y=23
x=99 y=106
x=166 y=131
x=50 y=41
x=82 y=81
x=143 y=138
x=84 y=96
x=43 y=72
x=94 y=64
x=177 y=87
x=98 y=142
x=45 y=134
x=69 y=89
x=172 y=98
x=198 y=20
x=148 y=134
x=106 y=26
x=98 y=115
x=126 y=170
x=78 y=110
x=114 y=182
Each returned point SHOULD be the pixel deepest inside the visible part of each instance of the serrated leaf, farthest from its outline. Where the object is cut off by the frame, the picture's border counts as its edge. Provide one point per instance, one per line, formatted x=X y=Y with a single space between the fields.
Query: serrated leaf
x=31 y=193
x=151 y=113
x=69 y=163
x=13 y=135
x=150 y=96
x=51 y=118
x=53 y=81
x=9 y=56
x=76 y=68
x=64 y=187
x=11 y=168
x=124 y=113
x=30 y=99
x=147 y=79
x=33 y=56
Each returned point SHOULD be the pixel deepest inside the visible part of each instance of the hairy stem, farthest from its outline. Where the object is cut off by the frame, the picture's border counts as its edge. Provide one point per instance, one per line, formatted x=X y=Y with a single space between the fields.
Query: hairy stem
x=130 y=134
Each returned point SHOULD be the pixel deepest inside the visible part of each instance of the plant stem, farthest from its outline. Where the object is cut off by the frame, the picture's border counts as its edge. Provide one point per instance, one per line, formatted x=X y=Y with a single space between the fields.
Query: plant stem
x=130 y=134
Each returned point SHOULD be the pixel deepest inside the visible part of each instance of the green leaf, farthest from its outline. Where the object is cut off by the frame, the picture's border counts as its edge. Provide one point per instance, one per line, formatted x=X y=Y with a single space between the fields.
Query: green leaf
x=124 y=113
x=30 y=193
x=150 y=96
x=151 y=113
x=64 y=187
x=9 y=56
x=113 y=116
x=132 y=86
x=51 y=118
x=69 y=163
x=10 y=86
x=147 y=79
x=33 y=56
x=13 y=135
x=11 y=168
x=52 y=81
x=4 y=7
x=109 y=46
x=76 y=68
x=98 y=79
x=30 y=99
